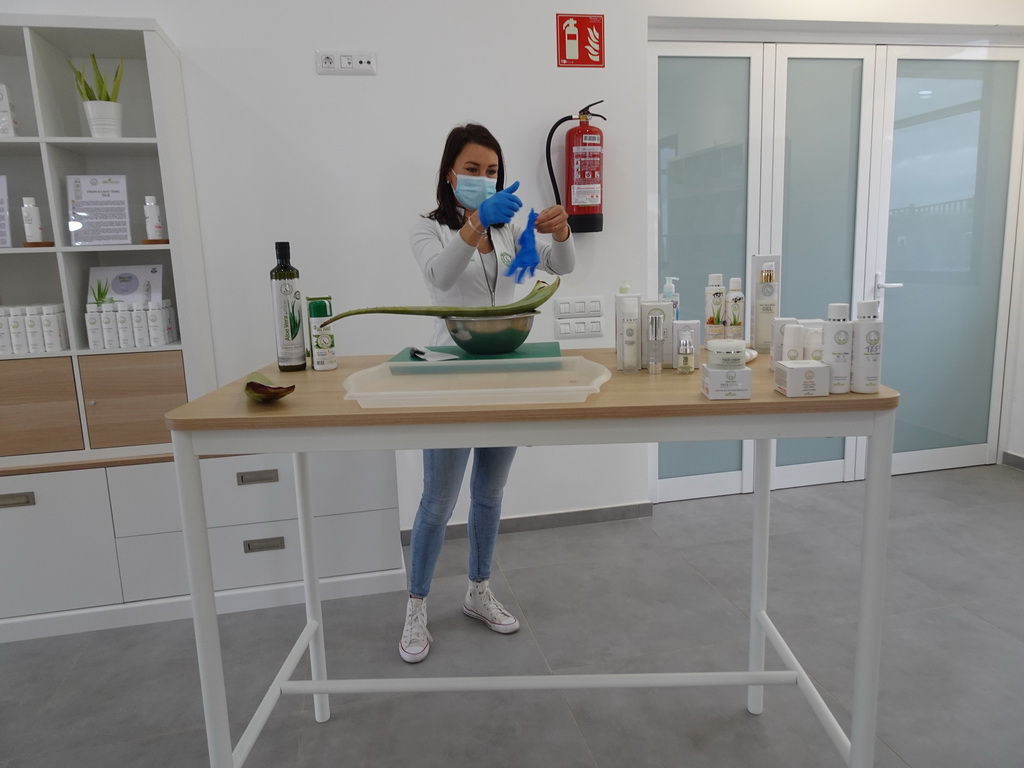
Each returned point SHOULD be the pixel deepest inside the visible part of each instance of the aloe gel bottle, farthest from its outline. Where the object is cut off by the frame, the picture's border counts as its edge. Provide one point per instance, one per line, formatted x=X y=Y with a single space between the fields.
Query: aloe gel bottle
x=287 y=300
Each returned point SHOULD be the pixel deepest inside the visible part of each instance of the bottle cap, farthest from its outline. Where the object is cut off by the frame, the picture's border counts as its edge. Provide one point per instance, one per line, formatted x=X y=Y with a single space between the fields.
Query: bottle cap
x=28 y=201
x=138 y=306
x=319 y=308
x=839 y=312
x=715 y=279
x=669 y=287
x=33 y=309
x=150 y=200
x=283 y=249
x=686 y=342
x=867 y=310
x=153 y=305
x=735 y=284
x=624 y=286
x=108 y=308
x=726 y=345
x=655 y=326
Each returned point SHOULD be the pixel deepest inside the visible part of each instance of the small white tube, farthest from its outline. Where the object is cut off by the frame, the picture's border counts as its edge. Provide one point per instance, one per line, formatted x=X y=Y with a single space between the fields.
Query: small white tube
x=154 y=220
x=125 y=331
x=140 y=324
x=32 y=220
x=94 y=326
x=34 y=329
x=108 y=326
x=16 y=327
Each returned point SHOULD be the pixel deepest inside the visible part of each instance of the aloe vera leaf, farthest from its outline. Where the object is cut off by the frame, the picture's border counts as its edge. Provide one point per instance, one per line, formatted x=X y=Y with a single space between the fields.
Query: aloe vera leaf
x=541 y=292
x=100 y=80
x=116 y=88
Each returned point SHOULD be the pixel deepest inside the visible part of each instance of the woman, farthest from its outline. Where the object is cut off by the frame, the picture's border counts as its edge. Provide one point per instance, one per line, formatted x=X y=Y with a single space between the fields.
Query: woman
x=464 y=248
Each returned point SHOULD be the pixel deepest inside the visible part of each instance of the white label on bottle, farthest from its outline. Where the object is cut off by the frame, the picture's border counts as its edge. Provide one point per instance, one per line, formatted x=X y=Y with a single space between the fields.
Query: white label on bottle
x=291 y=336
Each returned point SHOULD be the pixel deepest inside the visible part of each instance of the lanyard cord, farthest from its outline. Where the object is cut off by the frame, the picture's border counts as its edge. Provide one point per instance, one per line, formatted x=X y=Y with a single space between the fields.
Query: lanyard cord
x=492 y=285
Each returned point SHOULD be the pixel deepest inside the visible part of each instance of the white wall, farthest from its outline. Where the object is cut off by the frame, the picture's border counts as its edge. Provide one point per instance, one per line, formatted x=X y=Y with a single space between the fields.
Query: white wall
x=341 y=166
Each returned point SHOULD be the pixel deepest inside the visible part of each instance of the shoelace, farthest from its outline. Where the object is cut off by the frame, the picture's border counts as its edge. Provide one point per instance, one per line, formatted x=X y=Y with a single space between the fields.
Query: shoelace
x=416 y=632
x=490 y=606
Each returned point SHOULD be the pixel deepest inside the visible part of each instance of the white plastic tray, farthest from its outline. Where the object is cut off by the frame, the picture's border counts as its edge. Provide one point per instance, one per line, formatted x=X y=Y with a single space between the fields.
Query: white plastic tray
x=568 y=380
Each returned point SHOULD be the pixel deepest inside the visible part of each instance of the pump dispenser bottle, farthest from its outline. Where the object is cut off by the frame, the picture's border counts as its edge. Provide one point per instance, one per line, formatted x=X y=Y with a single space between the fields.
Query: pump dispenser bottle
x=866 y=363
x=669 y=293
x=287 y=300
x=735 y=309
x=655 y=340
x=766 y=307
x=684 y=359
x=714 y=297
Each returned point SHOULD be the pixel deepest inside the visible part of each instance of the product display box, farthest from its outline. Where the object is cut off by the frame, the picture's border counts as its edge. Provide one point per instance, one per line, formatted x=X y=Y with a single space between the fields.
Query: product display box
x=131 y=284
x=727 y=384
x=801 y=378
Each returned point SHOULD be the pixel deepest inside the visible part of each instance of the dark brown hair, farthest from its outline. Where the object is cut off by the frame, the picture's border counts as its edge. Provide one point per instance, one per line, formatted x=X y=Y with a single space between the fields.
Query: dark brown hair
x=448 y=211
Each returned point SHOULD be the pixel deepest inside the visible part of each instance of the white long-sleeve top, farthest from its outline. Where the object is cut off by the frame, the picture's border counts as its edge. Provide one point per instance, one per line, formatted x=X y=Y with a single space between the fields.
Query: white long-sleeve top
x=458 y=275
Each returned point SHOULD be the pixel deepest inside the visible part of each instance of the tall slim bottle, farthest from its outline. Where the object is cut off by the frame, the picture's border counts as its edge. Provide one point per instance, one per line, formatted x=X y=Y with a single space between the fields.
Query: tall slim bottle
x=287 y=299
x=866 y=363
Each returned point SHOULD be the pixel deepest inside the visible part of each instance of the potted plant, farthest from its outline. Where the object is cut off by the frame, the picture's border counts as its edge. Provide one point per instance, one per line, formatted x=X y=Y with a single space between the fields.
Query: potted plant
x=100 y=101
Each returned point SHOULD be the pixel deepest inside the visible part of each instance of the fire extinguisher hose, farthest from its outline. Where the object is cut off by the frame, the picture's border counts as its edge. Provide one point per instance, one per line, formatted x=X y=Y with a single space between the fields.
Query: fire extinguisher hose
x=551 y=170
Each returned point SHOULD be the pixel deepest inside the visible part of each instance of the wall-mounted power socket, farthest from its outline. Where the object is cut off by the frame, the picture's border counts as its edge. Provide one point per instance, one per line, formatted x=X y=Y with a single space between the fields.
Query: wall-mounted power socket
x=579 y=328
x=336 y=62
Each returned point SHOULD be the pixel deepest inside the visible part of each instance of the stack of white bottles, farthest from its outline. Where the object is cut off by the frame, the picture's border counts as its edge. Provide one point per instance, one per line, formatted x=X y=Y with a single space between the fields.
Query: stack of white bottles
x=35 y=329
x=120 y=325
x=852 y=350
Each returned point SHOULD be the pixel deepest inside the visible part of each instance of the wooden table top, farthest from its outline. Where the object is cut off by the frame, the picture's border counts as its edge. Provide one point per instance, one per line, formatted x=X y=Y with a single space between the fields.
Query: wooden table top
x=318 y=401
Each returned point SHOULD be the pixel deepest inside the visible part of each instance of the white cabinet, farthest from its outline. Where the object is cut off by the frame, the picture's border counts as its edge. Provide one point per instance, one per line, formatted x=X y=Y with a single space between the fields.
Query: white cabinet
x=56 y=543
x=52 y=143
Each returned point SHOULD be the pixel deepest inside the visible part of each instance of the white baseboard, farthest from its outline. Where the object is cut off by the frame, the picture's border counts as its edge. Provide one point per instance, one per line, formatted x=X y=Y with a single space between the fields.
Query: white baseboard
x=166 y=609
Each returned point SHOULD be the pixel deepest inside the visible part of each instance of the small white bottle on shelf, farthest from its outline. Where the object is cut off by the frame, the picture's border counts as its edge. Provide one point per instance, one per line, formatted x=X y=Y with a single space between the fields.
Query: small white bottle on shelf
x=53 y=338
x=32 y=220
x=157 y=324
x=5 y=331
x=735 y=311
x=172 y=322
x=94 y=326
x=34 y=329
x=140 y=325
x=154 y=221
x=16 y=325
x=108 y=325
x=125 y=332
x=838 y=343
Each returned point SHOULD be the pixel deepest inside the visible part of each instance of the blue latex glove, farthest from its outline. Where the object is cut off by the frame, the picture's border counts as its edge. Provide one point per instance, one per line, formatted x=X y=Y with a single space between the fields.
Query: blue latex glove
x=526 y=259
x=500 y=207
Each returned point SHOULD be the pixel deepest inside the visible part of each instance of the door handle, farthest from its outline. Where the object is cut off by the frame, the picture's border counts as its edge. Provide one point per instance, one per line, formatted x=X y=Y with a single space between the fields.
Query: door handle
x=881 y=285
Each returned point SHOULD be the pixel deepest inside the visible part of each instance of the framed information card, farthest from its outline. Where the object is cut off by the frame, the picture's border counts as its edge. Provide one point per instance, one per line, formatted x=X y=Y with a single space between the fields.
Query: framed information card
x=98 y=210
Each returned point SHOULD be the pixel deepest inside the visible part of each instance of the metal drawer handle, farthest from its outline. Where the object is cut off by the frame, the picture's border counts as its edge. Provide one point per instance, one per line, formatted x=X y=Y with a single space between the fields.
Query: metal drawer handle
x=257 y=476
x=8 y=500
x=263 y=545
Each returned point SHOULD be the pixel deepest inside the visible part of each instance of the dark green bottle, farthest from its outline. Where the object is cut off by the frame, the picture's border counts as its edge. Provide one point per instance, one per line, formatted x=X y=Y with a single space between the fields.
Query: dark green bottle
x=287 y=299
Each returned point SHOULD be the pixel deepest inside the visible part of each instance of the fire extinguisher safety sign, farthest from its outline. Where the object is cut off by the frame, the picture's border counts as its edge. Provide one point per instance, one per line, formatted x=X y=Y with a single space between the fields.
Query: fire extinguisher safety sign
x=580 y=40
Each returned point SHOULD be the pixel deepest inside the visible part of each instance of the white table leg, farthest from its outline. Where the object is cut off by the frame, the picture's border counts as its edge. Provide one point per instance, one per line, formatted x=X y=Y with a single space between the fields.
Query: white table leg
x=311 y=585
x=759 y=567
x=878 y=481
x=204 y=606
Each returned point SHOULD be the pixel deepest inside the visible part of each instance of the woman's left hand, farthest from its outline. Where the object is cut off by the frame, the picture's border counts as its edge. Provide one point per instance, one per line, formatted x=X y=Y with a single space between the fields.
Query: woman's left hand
x=553 y=221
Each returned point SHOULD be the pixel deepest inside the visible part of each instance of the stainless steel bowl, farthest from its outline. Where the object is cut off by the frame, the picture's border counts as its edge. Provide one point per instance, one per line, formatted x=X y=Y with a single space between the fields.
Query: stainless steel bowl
x=490 y=335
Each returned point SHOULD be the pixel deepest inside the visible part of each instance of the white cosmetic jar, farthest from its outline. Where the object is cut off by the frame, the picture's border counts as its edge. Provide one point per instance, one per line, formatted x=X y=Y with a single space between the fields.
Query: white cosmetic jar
x=726 y=353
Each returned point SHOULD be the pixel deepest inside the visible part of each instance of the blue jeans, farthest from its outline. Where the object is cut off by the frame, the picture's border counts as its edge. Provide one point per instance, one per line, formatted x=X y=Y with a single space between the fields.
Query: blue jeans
x=443 y=470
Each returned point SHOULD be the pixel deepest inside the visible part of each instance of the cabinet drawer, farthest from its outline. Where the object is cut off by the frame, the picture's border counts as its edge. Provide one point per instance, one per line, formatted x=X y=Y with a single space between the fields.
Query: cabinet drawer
x=127 y=395
x=57 y=545
x=249 y=489
x=39 y=407
x=361 y=542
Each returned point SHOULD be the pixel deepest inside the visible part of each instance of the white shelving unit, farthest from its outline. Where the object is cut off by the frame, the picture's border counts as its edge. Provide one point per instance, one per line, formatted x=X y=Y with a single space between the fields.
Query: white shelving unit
x=52 y=143
x=89 y=525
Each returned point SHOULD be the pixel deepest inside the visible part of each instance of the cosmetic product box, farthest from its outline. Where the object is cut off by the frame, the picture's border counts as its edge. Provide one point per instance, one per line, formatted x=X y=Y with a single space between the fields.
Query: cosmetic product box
x=726 y=384
x=801 y=378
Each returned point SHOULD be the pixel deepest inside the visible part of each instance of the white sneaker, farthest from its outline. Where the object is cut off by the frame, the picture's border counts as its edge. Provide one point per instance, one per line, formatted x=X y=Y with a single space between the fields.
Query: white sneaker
x=416 y=637
x=481 y=604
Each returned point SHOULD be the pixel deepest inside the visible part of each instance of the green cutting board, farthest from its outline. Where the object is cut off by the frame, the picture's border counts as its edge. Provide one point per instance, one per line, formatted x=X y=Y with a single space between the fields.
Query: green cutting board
x=545 y=354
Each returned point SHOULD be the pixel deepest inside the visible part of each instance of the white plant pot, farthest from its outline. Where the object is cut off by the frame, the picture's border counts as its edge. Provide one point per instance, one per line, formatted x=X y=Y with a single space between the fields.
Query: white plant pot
x=104 y=118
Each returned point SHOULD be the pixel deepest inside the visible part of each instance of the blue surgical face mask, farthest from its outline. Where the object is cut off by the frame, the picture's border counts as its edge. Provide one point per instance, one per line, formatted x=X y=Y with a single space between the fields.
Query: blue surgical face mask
x=470 y=191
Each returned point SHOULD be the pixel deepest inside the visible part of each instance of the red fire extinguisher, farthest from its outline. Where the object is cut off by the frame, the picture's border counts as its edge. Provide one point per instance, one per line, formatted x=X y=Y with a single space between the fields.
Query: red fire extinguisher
x=584 y=171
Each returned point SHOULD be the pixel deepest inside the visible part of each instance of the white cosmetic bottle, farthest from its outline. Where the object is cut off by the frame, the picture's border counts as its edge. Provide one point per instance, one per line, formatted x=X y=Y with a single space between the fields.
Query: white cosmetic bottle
x=34 y=329
x=766 y=307
x=16 y=327
x=814 y=342
x=735 y=309
x=866 y=363
x=793 y=342
x=837 y=348
x=630 y=334
x=32 y=220
x=108 y=326
x=94 y=327
x=157 y=317
x=125 y=330
x=154 y=221
x=669 y=293
x=140 y=324
x=5 y=331
x=714 y=297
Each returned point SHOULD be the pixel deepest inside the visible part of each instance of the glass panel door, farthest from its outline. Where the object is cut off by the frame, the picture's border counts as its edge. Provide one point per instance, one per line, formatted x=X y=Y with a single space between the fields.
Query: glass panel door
x=707 y=141
x=823 y=107
x=955 y=169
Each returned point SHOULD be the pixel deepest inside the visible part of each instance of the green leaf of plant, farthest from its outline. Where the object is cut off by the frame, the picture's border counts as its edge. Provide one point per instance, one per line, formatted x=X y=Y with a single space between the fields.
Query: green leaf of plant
x=116 y=88
x=101 y=85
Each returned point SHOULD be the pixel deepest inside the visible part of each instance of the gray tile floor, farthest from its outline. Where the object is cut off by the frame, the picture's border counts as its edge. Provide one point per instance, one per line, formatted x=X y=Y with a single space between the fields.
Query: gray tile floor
x=662 y=593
